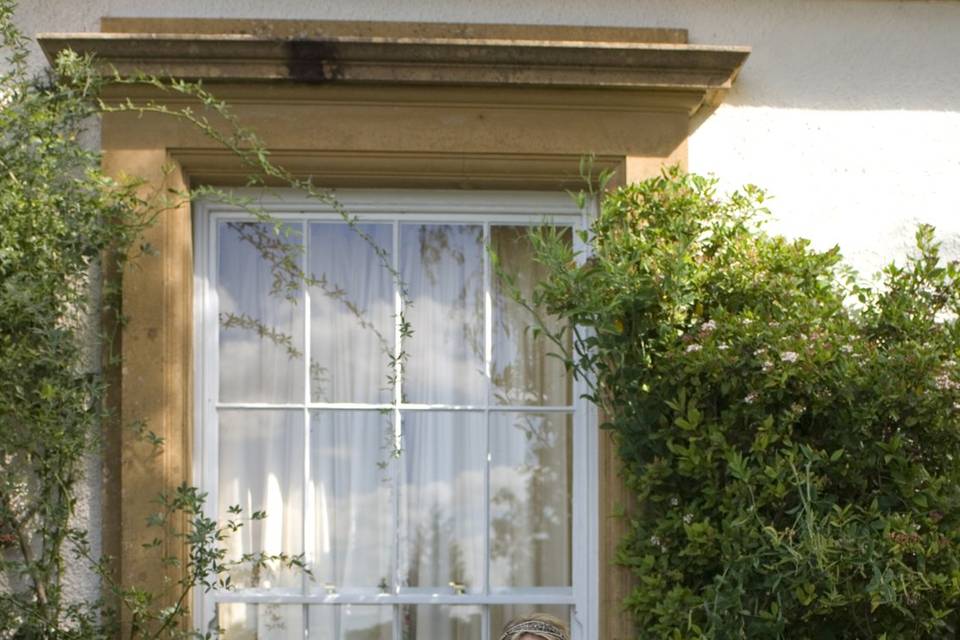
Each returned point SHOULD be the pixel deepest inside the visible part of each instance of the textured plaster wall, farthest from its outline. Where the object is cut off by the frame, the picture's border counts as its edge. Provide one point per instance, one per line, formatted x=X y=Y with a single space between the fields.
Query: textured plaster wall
x=848 y=111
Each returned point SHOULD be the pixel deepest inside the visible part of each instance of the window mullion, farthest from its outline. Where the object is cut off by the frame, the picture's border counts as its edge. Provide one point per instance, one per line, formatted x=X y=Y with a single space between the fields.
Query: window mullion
x=306 y=531
x=397 y=400
x=487 y=362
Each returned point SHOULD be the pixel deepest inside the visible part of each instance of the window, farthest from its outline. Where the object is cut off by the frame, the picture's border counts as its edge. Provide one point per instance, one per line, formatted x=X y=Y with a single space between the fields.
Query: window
x=435 y=507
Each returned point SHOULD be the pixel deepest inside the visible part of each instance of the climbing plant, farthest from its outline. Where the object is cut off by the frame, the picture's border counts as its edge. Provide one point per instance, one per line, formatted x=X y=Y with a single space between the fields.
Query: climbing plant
x=790 y=438
x=68 y=232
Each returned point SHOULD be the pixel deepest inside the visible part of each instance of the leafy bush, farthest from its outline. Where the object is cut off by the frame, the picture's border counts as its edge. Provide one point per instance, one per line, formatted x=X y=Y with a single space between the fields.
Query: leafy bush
x=791 y=437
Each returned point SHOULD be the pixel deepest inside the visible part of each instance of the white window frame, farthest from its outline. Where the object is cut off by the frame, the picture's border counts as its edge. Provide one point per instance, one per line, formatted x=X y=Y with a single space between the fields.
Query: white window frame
x=406 y=206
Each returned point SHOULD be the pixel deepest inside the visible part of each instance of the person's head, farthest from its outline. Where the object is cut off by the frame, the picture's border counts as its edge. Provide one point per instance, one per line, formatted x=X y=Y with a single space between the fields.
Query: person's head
x=536 y=626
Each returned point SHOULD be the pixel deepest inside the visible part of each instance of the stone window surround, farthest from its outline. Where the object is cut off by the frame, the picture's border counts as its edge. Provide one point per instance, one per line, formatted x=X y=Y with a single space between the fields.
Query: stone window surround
x=368 y=104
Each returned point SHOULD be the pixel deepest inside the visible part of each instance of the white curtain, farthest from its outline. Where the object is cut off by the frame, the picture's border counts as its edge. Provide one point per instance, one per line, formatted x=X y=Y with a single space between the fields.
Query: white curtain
x=261 y=334
x=261 y=469
x=261 y=622
x=350 y=534
x=432 y=622
x=351 y=312
x=352 y=531
x=443 y=267
x=441 y=500
x=530 y=509
x=351 y=622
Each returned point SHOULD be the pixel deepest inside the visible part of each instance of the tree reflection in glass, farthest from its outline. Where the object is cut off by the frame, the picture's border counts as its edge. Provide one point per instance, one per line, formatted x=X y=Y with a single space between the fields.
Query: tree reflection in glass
x=530 y=495
x=442 y=266
x=523 y=370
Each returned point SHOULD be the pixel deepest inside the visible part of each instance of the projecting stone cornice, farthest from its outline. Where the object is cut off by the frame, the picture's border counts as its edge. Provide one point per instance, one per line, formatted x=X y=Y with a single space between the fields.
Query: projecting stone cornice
x=414 y=55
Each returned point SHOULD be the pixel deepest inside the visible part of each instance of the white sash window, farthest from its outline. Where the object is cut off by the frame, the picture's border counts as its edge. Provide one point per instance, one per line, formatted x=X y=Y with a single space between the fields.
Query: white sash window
x=436 y=507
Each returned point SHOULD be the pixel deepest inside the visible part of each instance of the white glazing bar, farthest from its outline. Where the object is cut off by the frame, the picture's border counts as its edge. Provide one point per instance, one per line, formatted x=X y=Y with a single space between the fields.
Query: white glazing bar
x=520 y=597
x=487 y=309
x=397 y=426
x=556 y=218
x=260 y=405
x=398 y=338
x=357 y=406
x=487 y=367
x=306 y=535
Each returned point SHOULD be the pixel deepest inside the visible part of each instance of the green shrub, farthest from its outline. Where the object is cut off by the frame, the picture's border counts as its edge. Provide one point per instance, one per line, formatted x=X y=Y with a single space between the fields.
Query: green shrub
x=791 y=437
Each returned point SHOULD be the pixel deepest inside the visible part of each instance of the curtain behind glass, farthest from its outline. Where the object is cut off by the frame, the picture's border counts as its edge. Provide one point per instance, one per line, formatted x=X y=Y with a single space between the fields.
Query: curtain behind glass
x=441 y=500
x=261 y=469
x=351 y=313
x=440 y=622
x=241 y=621
x=442 y=266
x=530 y=491
x=261 y=332
x=352 y=529
x=351 y=490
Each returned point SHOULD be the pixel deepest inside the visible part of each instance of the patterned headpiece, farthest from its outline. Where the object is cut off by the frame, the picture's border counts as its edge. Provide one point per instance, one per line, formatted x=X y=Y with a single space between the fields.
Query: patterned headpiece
x=545 y=630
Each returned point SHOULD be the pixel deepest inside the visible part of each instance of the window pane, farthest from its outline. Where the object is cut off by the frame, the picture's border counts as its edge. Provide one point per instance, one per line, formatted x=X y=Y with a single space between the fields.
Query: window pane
x=442 y=500
x=437 y=622
x=530 y=495
x=261 y=469
x=500 y=615
x=261 y=331
x=351 y=622
x=523 y=372
x=241 y=621
x=351 y=313
x=351 y=490
x=442 y=265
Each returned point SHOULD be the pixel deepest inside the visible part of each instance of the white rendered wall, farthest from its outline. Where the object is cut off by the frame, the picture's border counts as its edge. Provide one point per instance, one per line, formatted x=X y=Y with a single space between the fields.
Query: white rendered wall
x=848 y=111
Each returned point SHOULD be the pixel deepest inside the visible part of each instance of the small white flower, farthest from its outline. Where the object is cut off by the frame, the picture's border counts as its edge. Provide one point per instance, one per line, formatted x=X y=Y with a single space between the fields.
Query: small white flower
x=674 y=502
x=750 y=397
x=708 y=326
x=846 y=348
x=693 y=348
x=789 y=356
x=759 y=352
x=722 y=347
x=767 y=366
x=655 y=541
x=944 y=382
x=687 y=518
